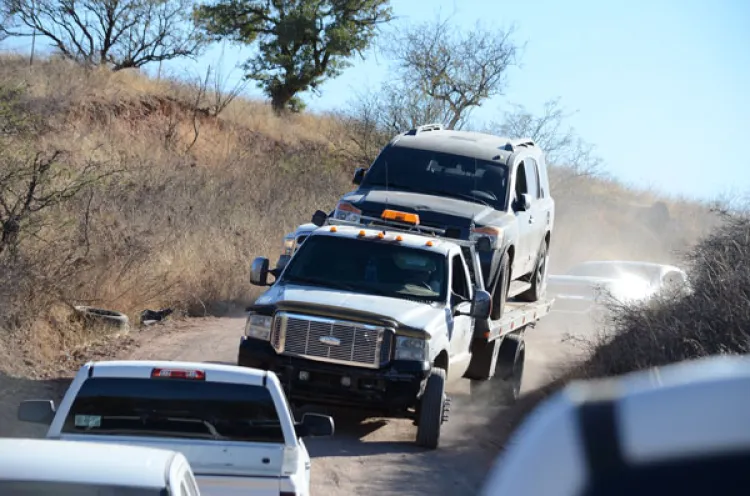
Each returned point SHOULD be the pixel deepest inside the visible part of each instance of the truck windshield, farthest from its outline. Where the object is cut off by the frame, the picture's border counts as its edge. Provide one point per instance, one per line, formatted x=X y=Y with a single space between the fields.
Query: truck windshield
x=174 y=408
x=54 y=488
x=372 y=267
x=438 y=173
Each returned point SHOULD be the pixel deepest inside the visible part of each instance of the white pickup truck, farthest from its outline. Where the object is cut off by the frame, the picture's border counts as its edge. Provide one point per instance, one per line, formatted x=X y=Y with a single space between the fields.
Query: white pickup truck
x=233 y=424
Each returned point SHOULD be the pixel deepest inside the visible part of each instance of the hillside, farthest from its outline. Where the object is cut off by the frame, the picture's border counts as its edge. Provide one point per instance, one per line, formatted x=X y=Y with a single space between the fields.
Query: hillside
x=175 y=201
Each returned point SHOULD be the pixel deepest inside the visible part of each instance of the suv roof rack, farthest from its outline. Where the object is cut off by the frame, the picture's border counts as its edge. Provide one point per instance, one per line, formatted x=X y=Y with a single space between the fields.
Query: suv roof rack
x=511 y=145
x=435 y=126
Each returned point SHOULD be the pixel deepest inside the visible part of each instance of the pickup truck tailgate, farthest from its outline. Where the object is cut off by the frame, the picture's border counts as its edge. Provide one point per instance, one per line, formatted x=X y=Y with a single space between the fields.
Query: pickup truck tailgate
x=216 y=458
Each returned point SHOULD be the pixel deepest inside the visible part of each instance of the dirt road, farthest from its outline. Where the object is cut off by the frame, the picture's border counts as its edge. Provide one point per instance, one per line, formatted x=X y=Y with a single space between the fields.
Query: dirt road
x=377 y=456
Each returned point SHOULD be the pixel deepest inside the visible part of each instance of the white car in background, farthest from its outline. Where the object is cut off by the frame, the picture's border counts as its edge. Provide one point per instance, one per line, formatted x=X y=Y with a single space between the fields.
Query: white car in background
x=47 y=467
x=582 y=291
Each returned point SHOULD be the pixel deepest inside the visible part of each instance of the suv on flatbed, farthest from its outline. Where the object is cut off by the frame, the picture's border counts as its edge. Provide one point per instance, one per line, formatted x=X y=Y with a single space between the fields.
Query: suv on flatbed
x=470 y=185
x=379 y=320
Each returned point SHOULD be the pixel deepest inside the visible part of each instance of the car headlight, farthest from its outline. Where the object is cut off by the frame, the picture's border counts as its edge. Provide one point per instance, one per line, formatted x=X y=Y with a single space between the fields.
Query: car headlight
x=410 y=349
x=347 y=212
x=494 y=233
x=258 y=326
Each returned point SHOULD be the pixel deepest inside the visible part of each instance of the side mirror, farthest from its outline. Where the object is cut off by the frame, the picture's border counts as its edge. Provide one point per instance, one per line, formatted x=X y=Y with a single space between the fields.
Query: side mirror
x=359 y=174
x=319 y=218
x=315 y=425
x=36 y=411
x=259 y=272
x=481 y=305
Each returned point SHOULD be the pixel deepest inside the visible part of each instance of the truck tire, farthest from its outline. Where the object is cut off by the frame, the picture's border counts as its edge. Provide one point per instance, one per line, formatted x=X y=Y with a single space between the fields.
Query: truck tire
x=504 y=387
x=432 y=410
x=539 y=277
x=102 y=317
x=500 y=292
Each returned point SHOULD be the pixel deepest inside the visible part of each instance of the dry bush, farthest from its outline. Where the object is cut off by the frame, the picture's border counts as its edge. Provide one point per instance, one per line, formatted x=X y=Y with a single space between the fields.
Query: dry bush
x=712 y=319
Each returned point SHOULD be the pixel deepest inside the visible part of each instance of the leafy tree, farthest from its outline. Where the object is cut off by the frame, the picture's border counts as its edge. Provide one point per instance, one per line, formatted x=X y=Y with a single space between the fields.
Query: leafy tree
x=120 y=34
x=300 y=43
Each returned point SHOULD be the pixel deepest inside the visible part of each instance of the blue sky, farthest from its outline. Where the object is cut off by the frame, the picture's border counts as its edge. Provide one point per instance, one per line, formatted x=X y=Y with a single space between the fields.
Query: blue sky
x=661 y=87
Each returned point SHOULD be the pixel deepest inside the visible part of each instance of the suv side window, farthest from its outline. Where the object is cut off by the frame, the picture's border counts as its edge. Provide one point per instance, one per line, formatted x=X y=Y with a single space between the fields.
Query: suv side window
x=532 y=177
x=521 y=187
x=460 y=284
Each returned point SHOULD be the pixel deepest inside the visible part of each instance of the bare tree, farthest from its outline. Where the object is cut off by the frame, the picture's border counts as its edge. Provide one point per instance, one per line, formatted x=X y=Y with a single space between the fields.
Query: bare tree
x=120 y=34
x=373 y=117
x=458 y=69
x=30 y=184
x=561 y=144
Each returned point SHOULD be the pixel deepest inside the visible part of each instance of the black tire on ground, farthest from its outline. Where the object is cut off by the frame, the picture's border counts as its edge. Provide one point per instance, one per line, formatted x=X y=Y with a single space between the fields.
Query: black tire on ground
x=432 y=410
x=500 y=292
x=539 y=278
x=100 y=316
x=504 y=387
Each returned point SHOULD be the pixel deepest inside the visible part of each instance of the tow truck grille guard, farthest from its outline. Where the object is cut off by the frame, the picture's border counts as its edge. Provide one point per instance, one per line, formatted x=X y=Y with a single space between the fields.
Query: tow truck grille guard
x=331 y=340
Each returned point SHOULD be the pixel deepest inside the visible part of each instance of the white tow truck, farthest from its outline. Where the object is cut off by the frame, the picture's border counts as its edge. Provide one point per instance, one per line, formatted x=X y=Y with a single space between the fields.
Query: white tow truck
x=380 y=318
x=233 y=424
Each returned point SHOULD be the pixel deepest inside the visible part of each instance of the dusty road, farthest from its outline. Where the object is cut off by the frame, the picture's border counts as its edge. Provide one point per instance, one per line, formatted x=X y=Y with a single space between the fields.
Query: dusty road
x=372 y=457
x=377 y=456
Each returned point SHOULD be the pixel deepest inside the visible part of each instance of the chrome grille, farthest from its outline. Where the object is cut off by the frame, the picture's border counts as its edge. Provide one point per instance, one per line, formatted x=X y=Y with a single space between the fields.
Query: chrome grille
x=330 y=340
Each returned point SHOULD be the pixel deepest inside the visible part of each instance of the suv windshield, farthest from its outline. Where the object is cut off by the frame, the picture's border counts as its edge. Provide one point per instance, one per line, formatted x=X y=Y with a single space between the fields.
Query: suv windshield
x=369 y=267
x=180 y=408
x=438 y=173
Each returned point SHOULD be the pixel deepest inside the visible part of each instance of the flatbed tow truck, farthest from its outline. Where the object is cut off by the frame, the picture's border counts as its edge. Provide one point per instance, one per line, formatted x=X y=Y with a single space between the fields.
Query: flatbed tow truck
x=459 y=338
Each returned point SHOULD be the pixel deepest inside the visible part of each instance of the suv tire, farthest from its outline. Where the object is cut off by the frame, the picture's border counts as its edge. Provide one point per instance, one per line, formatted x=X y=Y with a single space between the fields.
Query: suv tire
x=500 y=293
x=538 y=277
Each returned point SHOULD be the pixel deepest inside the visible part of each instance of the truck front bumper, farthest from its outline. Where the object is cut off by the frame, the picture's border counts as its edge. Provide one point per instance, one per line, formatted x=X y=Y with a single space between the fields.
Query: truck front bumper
x=391 y=389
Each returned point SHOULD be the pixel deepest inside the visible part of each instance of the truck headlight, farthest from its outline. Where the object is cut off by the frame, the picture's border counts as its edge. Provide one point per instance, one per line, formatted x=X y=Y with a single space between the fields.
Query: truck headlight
x=347 y=212
x=258 y=326
x=410 y=349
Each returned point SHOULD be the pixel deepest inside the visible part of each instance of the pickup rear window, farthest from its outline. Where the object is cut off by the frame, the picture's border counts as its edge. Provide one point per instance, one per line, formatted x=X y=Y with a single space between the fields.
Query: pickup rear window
x=177 y=408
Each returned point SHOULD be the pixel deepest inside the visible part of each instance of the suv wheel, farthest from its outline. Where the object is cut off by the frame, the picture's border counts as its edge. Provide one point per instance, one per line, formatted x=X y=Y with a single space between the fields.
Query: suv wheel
x=500 y=293
x=539 y=278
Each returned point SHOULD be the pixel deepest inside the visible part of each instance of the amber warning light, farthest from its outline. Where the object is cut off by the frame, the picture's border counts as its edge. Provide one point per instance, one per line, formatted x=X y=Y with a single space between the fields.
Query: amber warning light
x=197 y=375
x=404 y=217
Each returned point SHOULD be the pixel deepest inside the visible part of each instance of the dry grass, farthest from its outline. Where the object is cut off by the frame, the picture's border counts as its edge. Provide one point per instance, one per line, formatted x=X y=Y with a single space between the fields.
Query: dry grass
x=195 y=197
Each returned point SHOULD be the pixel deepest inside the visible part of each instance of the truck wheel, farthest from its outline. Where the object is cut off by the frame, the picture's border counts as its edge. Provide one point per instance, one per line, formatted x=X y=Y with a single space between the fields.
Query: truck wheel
x=504 y=387
x=500 y=293
x=538 y=279
x=432 y=410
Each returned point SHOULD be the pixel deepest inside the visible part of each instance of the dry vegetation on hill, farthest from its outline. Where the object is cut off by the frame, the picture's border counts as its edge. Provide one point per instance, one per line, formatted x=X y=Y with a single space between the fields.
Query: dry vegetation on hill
x=173 y=202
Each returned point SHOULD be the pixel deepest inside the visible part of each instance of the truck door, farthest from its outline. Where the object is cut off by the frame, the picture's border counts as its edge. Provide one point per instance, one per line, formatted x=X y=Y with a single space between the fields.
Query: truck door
x=463 y=325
